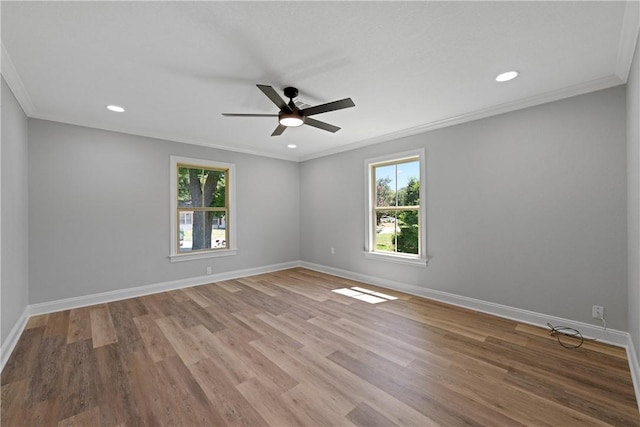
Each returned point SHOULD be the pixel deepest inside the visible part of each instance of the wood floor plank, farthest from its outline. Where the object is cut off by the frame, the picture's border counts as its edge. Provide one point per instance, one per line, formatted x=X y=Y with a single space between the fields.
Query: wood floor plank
x=37 y=321
x=79 y=390
x=183 y=343
x=301 y=370
x=25 y=356
x=127 y=333
x=46 y=376
x=12 y=398
x=233 y=407
x=312 y=409
x=155 y=342
x=234 y=369
x=264 y=396
x=115 y=397
x=194 y=405
x=102 y=330
x=201 y=316
x=149 y=389
x=198 y=297
x=225 y=301
x=43 y=413
x=364 y=415
x=87 y=418
x=436 y=401
x=257 y=362
x=386 y=347
x=57 y=324
x=259 y=286
x=152 y=305
x=282 y=349
x=356 y=389
x=79 y=325
x=263 y=329
x=229 y=286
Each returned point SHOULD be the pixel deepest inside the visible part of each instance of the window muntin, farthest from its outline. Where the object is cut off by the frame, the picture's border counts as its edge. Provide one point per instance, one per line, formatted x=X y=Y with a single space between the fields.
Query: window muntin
x=395 y=215
x=202 y=209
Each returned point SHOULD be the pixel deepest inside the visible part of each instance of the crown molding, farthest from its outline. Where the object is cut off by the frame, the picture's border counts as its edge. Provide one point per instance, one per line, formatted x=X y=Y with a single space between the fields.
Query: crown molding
x=556 y=95
x=628 y=39
x=15 y=82
x=164 y=136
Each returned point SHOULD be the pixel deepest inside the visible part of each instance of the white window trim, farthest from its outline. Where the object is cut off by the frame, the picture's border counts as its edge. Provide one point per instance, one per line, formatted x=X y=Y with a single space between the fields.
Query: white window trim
x=420 y=260
x=232 y=248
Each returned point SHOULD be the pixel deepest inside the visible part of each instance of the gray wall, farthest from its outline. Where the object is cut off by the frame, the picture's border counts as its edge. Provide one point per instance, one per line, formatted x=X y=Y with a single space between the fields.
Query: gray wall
x=99 y=211
x=13 y=277
x=633 y=217
x=525 y=209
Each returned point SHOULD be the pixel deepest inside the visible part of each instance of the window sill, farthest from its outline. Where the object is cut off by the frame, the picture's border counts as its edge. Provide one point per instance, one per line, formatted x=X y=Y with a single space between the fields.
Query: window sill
x=398 y=259
x=202 y=255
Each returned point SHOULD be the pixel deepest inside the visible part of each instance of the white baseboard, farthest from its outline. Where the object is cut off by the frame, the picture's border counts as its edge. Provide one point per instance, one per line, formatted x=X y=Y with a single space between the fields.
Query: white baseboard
x=104 y=297
x=634 y=367
x=612 y=336
x=10 y=342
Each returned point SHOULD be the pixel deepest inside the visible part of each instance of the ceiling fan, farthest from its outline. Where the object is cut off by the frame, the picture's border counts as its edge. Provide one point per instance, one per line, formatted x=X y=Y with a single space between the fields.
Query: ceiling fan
x=291 y=115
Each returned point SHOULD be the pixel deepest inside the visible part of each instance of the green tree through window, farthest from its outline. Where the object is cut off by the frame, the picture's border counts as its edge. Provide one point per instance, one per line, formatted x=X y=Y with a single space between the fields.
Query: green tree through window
x=202 y=191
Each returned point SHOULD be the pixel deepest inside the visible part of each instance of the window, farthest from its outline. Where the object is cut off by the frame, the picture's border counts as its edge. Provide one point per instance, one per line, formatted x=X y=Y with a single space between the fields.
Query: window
x=186 y=218
x=395 y=215
x=202 y=209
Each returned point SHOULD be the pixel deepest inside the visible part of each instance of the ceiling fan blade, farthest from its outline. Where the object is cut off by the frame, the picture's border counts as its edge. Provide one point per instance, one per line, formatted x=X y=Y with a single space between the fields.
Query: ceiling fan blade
x=329 y=106
x=248 y=115
x=274 y=97
x=321 y=125
x=279 y=130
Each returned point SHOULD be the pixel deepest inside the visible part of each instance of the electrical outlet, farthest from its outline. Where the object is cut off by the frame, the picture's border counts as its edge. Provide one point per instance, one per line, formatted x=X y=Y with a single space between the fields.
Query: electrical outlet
x=208 y=270
x=597 y=312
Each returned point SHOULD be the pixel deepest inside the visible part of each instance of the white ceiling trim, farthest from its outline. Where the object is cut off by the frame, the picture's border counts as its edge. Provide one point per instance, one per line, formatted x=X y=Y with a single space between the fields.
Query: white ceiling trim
x=532 y=101
x=15 y=82
x=557 y=95
x=628 y=39
x=165 y=137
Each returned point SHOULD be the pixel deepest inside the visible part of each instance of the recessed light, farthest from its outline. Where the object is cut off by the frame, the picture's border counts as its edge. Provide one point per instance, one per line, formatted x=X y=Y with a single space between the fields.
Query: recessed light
x=505 y=77
x=115 y=108
x=292 y=145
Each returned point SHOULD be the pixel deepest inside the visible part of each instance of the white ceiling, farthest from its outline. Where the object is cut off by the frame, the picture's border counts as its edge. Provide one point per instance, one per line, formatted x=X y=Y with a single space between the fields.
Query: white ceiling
x=408 y=66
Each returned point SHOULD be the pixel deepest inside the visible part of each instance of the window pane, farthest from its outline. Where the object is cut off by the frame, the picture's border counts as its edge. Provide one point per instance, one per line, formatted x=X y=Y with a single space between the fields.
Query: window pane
x=184 y=192
x=218 y=190
x=386 y=231
x=198 y=187
x=408 y=184
x=385 y=177
x=203 y=230
x=409 y=233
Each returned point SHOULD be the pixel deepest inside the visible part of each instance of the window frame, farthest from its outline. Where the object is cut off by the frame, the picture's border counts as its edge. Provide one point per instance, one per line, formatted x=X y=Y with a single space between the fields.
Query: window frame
x=420 y=259
x=175 y=255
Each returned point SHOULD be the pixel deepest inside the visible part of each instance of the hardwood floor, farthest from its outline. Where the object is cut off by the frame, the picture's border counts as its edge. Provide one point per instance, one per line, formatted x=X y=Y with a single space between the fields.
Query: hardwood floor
x=282 y=349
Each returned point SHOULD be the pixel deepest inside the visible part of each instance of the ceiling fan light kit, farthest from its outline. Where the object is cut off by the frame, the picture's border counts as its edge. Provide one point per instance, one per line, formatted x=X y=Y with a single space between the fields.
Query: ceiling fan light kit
x=291 y=116
x=291 y=119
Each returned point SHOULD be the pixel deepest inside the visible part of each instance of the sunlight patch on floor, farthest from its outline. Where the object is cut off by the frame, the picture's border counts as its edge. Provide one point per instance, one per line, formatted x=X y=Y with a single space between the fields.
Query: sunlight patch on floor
x=367 y=295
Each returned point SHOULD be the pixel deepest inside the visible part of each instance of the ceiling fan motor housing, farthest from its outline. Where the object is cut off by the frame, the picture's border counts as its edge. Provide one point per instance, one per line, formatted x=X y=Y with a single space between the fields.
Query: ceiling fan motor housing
x=290 y=92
